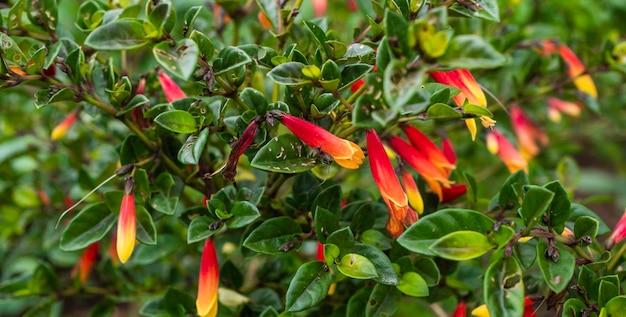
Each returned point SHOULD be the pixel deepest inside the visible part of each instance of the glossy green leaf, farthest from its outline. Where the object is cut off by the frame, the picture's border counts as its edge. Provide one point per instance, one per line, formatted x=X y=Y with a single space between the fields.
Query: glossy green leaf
x=357 y=266
x=173 y=303
x=585 y=226
x=616 y=306
x=326 y=222
x=331 y=254
x=319 y=36
x=329 y=199
x=118 y=35
x=579 y=210
x=422 y=234
x=396 y=28
x=510 y=192
x=556 y=274
x=560 y=208
x=441 y=111
x=45 y=97
x=161 y=203
x=502 y=236
x=146 y=231
x=606 y=291
x=193 y=148
x=536 y=203
x=503 y=288
x=471 y=52
x=308 y=287
x=358 y=302
x=413 y=284
x=289 y=74
x=88 y=226
x=486 y=9
x=243 y=213
x=283 y=154
x=179 y=61
x=352 y=73
x=573 y=307
x=177 y=121
x=190 y=17
x=386 y=274
x=200 y=229
x=342 y=238
x=272 y=234
x=230 y=58
x=383 y=301
x=205 y=46
x=477 y=110
x=375 y=238
x=462 y=245
x=427 y=269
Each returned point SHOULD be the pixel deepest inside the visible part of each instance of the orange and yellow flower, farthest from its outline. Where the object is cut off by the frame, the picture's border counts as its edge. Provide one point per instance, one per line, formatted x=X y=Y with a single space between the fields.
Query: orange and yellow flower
x=126 y=223
x=557 y=106
x=527 y=133
x=170 y=88
x=412 y=192
x=343 y=152
x=86 y=262
x=470 y=91
x=385 y=178
x=575 y=68
x=264 y=21
x=423 y=144
x=208 y=281
x=61 y=129
x=500 y=145
x=529 y=310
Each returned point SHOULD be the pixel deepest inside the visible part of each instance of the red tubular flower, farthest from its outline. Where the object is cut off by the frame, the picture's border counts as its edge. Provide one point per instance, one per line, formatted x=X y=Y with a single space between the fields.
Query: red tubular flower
x=86 y=262
x=61 y=129
x=386 y=179
x=432 y=175
x=461 y=310
x=557 y=106
x=453 y=192
x=238 y=147
x=357 y=85
x=394 y=227
x=352 y=6
x=208 y=281
x=320 y=252
x=498 y=144
x=112 y=251
x=264 y=21
x=320 y=7
x=170 y=88
x=619 y=233
x=423 y=144
x=529 y=310
x=470 y=91
x=547 y=47
x=344 y=152
x=127 y=223
x=576 y=71
x=448 y=151
x=528 y=134
x=412 y=192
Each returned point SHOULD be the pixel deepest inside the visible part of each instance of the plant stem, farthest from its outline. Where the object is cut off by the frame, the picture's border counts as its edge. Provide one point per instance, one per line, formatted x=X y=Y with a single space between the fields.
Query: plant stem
x=343 y=101
x=616 y=257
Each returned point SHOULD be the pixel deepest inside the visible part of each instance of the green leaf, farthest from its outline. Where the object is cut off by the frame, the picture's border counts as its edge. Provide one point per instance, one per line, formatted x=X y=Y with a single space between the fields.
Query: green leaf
x=308 y=287
x=561 y=208
x=586 y=226
x=616 y=306
x=326 y=223
x=190 y=17
x=331 y=253
x=283 y=154
x=358 y=302
x=230 y=58
x=45 y=97
x=254 y=99
x=161 y=203
x=342 y=238
x=422 y=234
x=441 y=111
x=504 y=288
x=289 y=74
x=192 y=149
x=477 y=110
x=536 y=203
x=397 y=28
x=205 y=46
x=329 y=199
x=471 y=52
x=413 y=284
x=173 y=303
x=375 y=238
x=243 y=213
x=272 y=234
x=511 y=190
x=357 y=266
x=427 y=269
x=579 y=210
x=179 y=61
x=148 y=254
x=462 y=245
x=199 y=229
x=320 y=38
x=606 y=291
x=177 y=121
x=89 y=225
x=118 y=35
x=386 y=274
x=556 y=274
x=486 y=9
x=502 y=236
x=383 y=301
x=573 y=307
x=146 y=231
x=351 y=73
x=11 y=51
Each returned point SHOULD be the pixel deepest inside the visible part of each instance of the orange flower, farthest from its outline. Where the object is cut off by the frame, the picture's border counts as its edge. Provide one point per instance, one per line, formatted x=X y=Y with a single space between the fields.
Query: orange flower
x=423 y=144
x=558 y=106
x=394 y=227
x=498 y=144
x=265 y=22
x=127 y=223
x=528 y=134
x=576 y=71
x=412 y=192
x=61 y=129
x=344 y=152
x=448 y=151
x=86 y=262
x=386 y=179
x=470 y=91
x=208 y=281
x=432 y=175
x=170 y=88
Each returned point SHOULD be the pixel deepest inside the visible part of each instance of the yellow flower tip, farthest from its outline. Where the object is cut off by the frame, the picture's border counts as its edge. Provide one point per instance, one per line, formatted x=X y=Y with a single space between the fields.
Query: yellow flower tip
x=554 y=115
x=391 y=154
x=332 y=289
x=525 y=239
x=471 y=126
x=212 y=311
x=481 y=311
x=126 y=227
x=61 y=129
x=492 y=144
x=585 y=84
x=487 y=122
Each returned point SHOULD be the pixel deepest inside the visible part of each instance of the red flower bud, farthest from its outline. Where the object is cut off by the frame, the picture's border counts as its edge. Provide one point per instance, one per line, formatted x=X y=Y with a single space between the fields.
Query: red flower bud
x=127 y=223
x=208 y=281
x=238 y=148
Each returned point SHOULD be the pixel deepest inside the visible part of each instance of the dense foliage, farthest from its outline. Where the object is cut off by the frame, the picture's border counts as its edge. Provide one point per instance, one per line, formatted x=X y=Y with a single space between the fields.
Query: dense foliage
x=312 y=158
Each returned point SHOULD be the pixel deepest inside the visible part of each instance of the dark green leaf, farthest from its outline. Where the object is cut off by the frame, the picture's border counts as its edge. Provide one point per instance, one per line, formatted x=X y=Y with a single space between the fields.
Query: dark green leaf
x=386 y=274
x=511 y=190
x=326 y=222
x=560 y=208
x=193 y=148
x=461 y=245
x=441 y=111
x=89 y=226
x=283 y=154
x=243 y=213
x=351 y=73
x=606 y=291
x=173 y=303
x=383 y=301
x=556 y=274
x=161 y=203
x=573 y=307
x=329 y=199
x=45 y=97
x=118 y=35
x=190 y=17
x=358 y=302
x=396 y=29
x=289 y=74
x=486 y=9
x=536 y=203
x=272 y=234
x=427 y=269
x=148 y=254
x=579 y=210
x=230 y=58
x=585 y=226
x=199 y=229
x=471 y=52
x=146 y=231
x=177 y=121
x=179 y=61
x=205 y=46
x=342 y=238
x=504 y=288
x=422 y=234
x=308 y=287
